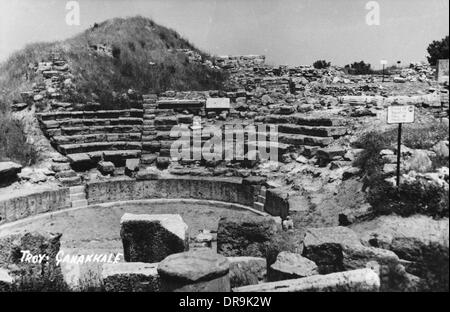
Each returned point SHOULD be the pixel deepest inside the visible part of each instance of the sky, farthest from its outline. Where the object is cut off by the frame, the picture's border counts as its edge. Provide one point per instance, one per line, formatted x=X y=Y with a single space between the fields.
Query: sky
x=288 y=32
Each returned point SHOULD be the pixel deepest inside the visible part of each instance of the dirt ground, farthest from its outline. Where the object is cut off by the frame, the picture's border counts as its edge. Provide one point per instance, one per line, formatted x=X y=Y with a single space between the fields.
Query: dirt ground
x=97 y=230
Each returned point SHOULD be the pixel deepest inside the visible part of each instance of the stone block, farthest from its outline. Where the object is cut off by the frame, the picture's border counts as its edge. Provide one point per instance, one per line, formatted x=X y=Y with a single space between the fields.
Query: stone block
x=151 y=238
x=200 y=270
x=291 y=265
x=247 y=271
x=130 y=277
x=245 y=236
x=362 y=280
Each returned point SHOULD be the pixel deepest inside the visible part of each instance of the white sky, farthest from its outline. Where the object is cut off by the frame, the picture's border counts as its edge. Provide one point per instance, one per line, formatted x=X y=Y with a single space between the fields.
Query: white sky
x=286 y=31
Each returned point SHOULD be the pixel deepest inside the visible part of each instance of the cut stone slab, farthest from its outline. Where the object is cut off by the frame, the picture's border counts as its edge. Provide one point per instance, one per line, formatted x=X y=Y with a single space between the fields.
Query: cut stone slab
x=247 y=271
x=420 y=240
x=9 y=171
x=148 y=174
x=324 y=246
x=245 y=236
x=290 y=265
x=198 y=270
x=151 y=238
x=130 y=277
x=362 y=280
x=218 y=104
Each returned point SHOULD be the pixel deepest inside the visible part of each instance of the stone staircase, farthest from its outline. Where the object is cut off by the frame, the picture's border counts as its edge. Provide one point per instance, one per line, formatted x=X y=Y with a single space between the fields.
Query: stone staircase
x=78 y=196
x=260 y=200
x=305 y=134
x=87 y=137
x=149 y=154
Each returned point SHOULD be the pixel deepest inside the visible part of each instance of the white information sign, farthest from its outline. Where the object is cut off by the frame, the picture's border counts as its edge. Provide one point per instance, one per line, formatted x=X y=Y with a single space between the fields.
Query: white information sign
x=400 y=114
x=218 y=103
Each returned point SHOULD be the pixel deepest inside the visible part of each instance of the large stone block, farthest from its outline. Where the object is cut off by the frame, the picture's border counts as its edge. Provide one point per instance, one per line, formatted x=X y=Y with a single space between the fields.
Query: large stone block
x=151 y=238
x=277 y=203
x=291 y=265
x=130 y=277
x=362 y=280
x=245 y=236
x=247 y=271
x=324 y=246
x=200 y=270
x=8 y=172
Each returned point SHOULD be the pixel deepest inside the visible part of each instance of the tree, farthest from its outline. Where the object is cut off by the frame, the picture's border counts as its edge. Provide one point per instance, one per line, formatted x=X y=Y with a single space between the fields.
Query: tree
x=438 y=50
x=321 y=64
x=359 y=68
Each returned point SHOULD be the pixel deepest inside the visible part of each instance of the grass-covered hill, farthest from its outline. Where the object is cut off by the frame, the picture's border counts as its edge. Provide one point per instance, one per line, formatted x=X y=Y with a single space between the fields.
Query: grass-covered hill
x=142 y=58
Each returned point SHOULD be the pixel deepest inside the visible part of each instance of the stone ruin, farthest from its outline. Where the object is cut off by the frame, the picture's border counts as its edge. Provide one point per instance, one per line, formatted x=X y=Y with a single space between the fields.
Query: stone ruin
x=315 y=112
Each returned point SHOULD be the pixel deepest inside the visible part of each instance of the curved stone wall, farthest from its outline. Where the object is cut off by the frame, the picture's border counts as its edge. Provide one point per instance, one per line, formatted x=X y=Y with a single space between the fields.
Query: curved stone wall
x=17 y=208
x=219 y=189
x=228 y=190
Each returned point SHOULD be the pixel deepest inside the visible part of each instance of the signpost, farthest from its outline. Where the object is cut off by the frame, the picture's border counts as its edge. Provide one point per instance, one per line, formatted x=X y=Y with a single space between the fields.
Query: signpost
x=384 y=63
x=400 y=114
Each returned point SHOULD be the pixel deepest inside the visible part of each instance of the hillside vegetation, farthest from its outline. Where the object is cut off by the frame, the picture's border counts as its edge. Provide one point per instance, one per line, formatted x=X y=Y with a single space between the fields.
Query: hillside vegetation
x=141 y=59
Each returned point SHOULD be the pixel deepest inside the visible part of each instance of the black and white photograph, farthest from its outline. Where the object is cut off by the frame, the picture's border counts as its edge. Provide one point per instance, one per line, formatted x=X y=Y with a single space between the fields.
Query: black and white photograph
x=222 y=151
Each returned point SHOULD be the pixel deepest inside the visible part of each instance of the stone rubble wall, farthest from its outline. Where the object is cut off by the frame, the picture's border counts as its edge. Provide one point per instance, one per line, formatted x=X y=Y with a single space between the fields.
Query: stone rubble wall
x=33 y=204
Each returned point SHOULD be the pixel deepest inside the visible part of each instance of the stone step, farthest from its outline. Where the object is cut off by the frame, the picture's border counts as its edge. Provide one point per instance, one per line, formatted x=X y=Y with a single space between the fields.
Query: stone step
x=148 y=159
x=150 y=111
x=149 y=122
x=65 y=174
x=71 y=181
x=263 y=191
x=152 y=147
x=298 y=140
x=83 y=130
x=93 y=157
x=81 y=203
x=302 y=120
x=77 y=196
x=150 y=96
x=67 y=149
x=186 y=104
x=148 y=138
x=166 y=120
x=258 y=206
x=76 y=189
x=261 y=199
x=101 y=137
x=312 y=130
x=101 y=114
x=51 y=124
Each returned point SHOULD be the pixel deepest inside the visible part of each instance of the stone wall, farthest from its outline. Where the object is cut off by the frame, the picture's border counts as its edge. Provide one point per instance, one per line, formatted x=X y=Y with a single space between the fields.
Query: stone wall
x=33 y=204
x=220 y=189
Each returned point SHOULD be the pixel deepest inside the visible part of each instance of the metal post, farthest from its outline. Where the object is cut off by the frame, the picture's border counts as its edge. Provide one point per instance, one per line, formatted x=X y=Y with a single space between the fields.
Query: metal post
x=399 y=152
x=383 y=74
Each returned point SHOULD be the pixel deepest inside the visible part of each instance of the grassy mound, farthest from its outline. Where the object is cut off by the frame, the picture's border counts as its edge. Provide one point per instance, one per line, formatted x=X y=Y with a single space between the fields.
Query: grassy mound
x=143 y=57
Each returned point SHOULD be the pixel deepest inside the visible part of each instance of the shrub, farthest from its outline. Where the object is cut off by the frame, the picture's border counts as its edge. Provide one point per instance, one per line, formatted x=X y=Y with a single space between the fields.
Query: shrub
x=359 y=68
x=413 y=197
x=438 y=50
x=321 y=64
x=419 y=196
x=13 y=142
